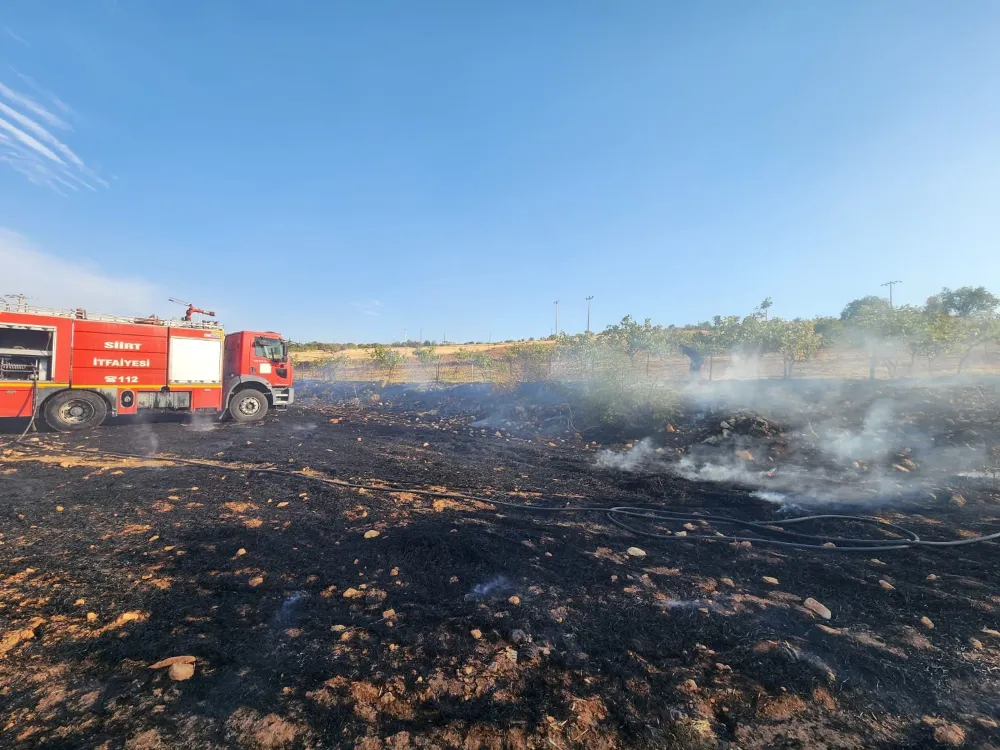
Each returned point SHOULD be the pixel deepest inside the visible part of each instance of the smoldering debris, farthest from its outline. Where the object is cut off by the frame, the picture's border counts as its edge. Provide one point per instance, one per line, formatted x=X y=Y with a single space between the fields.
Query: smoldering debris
x=641 y=456
x=495 y=586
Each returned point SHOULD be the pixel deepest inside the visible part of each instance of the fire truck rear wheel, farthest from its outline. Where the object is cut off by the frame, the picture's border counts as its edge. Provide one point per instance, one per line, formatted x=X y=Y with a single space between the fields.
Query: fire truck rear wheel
x=75 y=411
x=248 y=405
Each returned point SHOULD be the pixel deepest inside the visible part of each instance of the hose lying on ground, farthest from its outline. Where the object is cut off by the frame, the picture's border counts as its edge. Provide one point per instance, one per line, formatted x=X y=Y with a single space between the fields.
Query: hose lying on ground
x=817 y=542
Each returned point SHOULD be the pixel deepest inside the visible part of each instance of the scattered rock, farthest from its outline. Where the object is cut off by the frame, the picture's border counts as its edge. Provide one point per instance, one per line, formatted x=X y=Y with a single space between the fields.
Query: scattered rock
x=927 y=622
x=476 y=633
x=771 y=580
x=903 y=469
x=814 y=606
x=181 y=671
x=515 y=600
x=170 y=661
x=256 y=581
x=991 y=631
x=394 y=572
x=635 y=552
x=91 y=616
x=975 y=643
x=240 y=552
x=353 y=593
x=886 y=585
x=518 y=636
x=388 y=614
x=949 y=734
x=80 y=602
x=957 y=500
x=725 y=425
x=59 y=509
x=282 y=504
x=371 y=534
x=728 y=582
x=932 y=577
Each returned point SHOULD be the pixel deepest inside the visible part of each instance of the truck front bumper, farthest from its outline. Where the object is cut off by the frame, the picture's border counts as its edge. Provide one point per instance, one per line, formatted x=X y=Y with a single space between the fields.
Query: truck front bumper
x=283 y=397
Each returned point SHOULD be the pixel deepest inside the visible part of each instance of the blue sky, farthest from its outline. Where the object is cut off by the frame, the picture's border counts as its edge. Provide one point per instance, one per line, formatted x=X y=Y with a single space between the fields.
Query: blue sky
x=343 y=171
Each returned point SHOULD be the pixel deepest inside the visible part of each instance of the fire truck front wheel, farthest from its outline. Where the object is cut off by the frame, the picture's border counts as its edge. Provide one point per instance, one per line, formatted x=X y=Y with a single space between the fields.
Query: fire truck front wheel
x=248 y=405
x=75 y=411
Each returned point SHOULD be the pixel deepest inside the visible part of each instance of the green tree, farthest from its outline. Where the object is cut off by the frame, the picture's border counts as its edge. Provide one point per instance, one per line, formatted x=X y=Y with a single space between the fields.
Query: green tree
x=795 y=340
x=333 y=365
x=429 y=359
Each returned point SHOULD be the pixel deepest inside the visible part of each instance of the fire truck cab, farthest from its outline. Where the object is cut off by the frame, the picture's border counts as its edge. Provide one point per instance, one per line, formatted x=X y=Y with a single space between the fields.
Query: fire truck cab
x=75 y=369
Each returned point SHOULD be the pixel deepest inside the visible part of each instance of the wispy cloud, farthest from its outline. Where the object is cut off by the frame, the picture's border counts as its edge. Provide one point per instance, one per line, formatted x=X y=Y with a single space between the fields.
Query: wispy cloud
x=29 y=147
x=368 y=306
x=50 y=281
x=10 y=33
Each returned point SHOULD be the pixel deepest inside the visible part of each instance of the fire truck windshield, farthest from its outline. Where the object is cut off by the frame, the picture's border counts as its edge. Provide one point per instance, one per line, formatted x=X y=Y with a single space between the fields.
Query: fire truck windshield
x=274 y=349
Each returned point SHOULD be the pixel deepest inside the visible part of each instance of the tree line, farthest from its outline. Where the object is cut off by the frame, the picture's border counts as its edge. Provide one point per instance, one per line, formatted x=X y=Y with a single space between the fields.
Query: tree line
x=952 y=322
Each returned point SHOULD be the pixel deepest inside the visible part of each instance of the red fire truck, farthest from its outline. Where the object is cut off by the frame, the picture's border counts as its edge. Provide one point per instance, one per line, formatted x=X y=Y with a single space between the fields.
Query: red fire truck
x=75 y=368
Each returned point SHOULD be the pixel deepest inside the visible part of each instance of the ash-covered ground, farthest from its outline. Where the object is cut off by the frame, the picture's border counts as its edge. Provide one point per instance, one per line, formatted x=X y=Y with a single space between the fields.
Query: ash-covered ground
x=464 y=624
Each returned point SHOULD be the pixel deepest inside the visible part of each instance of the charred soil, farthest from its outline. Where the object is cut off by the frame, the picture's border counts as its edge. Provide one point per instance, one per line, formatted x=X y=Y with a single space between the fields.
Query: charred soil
x=463 y=624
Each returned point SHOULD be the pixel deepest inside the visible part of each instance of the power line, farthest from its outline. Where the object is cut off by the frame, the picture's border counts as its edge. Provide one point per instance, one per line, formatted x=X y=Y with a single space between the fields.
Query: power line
x=556 y=303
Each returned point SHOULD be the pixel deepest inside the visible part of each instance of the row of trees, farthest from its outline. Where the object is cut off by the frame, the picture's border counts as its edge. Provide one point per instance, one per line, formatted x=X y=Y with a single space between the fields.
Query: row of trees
x=953 y=322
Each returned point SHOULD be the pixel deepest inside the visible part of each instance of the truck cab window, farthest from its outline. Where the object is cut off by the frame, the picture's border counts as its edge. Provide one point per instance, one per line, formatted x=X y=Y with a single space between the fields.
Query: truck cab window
x=273 y=349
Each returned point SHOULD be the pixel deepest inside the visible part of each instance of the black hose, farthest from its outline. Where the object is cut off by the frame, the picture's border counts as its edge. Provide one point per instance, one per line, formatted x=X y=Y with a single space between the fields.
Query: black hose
x=820 y=542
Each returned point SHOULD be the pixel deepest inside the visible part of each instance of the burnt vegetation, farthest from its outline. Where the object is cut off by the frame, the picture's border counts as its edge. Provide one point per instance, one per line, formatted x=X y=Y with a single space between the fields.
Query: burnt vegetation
x=302 y=613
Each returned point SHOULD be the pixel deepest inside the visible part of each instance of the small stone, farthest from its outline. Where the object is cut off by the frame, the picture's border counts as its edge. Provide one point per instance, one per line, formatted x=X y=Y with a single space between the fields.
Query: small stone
x=949 y=734
x=515 y=600
x=338 y=628
x=876 y=561
x=725 y=425
x=886 y=585
x=181 y=671
x=80 y=602
x=282 y=504
x=927 y=622
x=371 y=534
x=256 y=581
x=903 y=469
x=635 y=552
x=394 y=572
x=388 y=614
x=170 y=661
x=690 y=527
x=814 y=606
x=240 y=552
x=932 y=577
x=975 y=643
x=353 y=593
x=728 y=582
x=771 y=580
x=991 y=631
x=59 y=509
x=518 y=636
x=690 y=685
x=476 y=634
x=681 y=533
x=957 y=500
x=91 y=616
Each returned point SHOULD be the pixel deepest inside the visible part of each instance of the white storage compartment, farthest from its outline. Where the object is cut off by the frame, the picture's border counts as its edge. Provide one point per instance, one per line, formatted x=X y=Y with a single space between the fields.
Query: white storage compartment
x=195 y=360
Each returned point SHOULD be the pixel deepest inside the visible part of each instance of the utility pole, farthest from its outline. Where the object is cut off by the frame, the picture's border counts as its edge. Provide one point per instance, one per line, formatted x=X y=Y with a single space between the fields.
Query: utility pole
x=891 y=284
x=21 y=307
x=404 y=336
x=556 y=303
x=588 y=312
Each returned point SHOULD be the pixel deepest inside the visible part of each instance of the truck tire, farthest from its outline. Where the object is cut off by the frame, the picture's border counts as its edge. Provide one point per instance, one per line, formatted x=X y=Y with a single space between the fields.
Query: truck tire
x=248 y=405
x=75 y=411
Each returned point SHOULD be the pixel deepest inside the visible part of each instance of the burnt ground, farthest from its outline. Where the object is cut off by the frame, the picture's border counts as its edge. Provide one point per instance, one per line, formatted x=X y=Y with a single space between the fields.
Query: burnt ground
x=468 y=625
